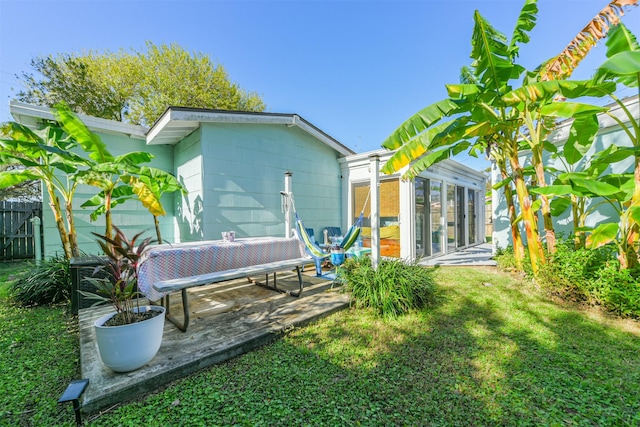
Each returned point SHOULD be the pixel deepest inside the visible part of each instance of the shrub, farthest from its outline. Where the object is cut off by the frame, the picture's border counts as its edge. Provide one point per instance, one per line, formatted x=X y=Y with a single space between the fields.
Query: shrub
x=569 y=271
x=586 y=275
x=46 y=283
x=617 y=290
x=394 y=288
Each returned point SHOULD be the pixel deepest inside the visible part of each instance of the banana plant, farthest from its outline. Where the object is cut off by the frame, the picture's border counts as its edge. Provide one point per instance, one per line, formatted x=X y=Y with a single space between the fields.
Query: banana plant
x=487 y=114
x=478 y=119
x=623 y=67
x=46 y=154
x=573 y=157
x=149 y=186
x=108 y=177
x=561 y=66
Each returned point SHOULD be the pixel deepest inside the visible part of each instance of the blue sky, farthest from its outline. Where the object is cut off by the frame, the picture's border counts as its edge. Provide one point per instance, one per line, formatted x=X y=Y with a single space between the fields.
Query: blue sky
x=356 y=69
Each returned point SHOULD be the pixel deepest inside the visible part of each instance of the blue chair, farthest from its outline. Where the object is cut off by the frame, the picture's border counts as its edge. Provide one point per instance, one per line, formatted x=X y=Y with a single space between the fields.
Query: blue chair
x=310 y=234
x=332 y=231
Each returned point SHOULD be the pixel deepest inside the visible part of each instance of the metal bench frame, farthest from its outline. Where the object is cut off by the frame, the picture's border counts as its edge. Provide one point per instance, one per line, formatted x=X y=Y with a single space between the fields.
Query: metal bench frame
x=184 y=283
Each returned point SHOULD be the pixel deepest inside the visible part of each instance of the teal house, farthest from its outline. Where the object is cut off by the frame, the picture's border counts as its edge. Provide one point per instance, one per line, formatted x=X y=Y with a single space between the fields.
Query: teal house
x=234 y=166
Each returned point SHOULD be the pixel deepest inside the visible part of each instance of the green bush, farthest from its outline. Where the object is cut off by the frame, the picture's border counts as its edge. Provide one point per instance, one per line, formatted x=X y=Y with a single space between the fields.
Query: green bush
x=586 y=275
x=46 y=283
x=569 y=272
x=392 y=289
x=617 y=290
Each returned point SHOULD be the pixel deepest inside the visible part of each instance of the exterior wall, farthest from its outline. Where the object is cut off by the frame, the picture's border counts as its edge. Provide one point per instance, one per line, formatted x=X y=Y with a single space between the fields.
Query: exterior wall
x=189 y=209
x=243 y=170
x=130 y=216
x=610 y=133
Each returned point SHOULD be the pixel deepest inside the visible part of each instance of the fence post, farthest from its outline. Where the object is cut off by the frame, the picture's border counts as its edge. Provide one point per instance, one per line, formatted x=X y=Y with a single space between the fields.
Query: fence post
x=37 y=230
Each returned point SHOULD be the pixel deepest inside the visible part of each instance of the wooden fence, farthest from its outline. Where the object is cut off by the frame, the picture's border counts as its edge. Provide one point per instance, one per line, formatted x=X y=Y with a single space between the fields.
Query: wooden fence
x=16 y=229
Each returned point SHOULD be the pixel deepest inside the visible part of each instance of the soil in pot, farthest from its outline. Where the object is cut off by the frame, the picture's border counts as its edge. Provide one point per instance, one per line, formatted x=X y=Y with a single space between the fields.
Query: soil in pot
x=119 y=319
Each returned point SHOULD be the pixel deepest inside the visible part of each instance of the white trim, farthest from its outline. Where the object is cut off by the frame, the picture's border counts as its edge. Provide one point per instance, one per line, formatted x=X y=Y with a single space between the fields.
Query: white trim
x=30 y=115
x=561 y=134
x=177 y=123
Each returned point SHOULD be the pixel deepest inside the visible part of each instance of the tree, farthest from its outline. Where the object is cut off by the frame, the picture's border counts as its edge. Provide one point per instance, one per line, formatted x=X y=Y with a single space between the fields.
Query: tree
x=46 y=154
x=119 y=178
x=486 y=113
x=134 y=87
x=623 y=66
x=481 y=119
x=24 y=191
x=65 y=153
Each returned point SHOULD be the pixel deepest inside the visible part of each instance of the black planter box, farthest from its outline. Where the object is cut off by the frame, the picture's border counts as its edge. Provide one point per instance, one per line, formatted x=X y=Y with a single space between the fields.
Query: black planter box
x=81 y=268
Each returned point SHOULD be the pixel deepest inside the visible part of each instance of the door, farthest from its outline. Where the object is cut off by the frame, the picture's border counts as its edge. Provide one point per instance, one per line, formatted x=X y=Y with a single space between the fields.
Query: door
x=460 y=217
x=435 y=210
x=471 y=213
x=451 y=218
x=422 y=217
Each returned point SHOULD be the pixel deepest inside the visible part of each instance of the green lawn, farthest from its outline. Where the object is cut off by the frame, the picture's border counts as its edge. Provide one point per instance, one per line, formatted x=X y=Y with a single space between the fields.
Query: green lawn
x=491 y=352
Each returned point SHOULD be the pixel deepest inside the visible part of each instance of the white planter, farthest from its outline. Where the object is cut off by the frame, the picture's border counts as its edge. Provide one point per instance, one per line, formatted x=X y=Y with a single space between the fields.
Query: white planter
x=129 y=347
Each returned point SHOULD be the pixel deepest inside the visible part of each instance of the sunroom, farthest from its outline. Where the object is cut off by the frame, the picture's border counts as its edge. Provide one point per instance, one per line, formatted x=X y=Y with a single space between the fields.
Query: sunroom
x=439 y=212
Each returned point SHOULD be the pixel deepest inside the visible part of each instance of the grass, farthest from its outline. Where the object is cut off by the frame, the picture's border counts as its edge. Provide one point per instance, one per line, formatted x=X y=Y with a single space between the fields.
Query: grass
x=493 y=351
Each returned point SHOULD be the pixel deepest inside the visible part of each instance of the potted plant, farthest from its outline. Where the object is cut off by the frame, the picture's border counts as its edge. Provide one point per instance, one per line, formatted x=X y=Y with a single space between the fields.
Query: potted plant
x=130 y=336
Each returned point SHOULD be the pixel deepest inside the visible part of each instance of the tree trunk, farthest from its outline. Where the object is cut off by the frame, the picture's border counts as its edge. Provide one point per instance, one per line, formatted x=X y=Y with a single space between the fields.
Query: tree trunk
x=54 y=203
x=157 y=224
x=73 y=237
x=629 y=228
x=550 y=234
x=536 y=253
x=107 y=214
x=516 y=237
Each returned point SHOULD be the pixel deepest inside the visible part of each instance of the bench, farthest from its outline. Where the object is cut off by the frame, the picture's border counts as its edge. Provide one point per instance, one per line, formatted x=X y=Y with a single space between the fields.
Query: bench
x=184 y=283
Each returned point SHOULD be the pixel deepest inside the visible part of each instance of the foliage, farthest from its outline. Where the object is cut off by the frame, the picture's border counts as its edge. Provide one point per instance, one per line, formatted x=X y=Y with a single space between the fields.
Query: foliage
x=120 y=287
x=135 y=87
x=51 y=155
x=596 y=181
x=570 y=271
x=46 y=283
x=486 y=113
x=394 y=288
x=38 y=357
x=47 y=155
x=563 y=64
x=617 y=289
x=587 y=276
x=26 y=191
x=493 y=352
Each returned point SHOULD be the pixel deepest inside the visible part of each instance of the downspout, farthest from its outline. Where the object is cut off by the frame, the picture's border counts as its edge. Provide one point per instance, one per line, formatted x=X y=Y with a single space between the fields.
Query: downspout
x=287 y=205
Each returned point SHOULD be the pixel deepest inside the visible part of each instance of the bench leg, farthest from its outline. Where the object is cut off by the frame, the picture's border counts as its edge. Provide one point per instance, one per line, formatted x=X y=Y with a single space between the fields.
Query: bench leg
x=185 y=308
x=275 y=284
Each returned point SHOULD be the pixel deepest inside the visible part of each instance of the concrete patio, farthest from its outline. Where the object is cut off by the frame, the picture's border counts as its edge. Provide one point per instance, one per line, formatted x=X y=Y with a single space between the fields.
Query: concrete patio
x=472 y=256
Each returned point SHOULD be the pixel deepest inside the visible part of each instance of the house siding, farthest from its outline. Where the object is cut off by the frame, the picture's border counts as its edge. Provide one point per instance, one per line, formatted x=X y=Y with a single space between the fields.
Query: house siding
x=130 y=216
x=244 y=173
x=610 y=133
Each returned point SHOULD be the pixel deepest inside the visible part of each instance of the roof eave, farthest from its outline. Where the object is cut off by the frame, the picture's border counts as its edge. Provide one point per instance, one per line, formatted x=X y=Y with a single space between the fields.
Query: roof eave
x=177 y=122
x=32 y=115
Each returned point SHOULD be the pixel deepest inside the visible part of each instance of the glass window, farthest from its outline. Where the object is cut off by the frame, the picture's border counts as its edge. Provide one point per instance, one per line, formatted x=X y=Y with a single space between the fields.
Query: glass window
x=471 y=212
x=389 y=215
x=435 y=208
x=451 y=218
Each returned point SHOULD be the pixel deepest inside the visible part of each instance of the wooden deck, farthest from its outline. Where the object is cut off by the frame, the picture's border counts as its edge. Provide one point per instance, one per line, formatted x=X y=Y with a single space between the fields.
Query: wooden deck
x=227 y=319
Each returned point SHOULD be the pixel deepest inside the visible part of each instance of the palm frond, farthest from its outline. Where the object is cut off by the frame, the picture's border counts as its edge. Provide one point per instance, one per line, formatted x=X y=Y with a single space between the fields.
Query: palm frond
x=562 y=66
x=420 y=121
x=526 y=23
